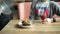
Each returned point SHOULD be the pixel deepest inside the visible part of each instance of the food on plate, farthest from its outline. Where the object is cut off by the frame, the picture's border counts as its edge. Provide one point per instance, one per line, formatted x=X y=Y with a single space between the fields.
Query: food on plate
x=26 y=22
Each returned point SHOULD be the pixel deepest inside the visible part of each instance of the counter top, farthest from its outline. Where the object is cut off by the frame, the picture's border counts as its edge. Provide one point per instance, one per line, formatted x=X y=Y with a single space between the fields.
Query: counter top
x=38 y=27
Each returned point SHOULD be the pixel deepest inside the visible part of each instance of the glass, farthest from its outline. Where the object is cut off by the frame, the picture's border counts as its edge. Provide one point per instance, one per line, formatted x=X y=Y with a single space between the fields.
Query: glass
x=43 y=13
x=43 y=17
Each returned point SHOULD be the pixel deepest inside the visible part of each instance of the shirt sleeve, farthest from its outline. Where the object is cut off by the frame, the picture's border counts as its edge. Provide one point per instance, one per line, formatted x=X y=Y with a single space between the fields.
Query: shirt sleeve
x=56 y=8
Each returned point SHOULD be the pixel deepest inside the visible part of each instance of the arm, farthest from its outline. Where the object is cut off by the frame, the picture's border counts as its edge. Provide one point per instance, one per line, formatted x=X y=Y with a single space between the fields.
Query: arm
x=56 y=8
x=57 y=19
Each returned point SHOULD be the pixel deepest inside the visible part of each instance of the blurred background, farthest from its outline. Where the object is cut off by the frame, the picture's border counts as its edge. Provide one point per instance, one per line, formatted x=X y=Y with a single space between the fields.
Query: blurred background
x=14 y=7
x=17 y=4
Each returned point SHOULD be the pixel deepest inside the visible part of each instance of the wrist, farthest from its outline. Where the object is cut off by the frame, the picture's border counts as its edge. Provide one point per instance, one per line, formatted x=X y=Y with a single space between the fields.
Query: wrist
x=54 y=20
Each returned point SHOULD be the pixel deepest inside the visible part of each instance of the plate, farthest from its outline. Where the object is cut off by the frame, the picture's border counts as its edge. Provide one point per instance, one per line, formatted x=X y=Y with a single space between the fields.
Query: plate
x=20 y=24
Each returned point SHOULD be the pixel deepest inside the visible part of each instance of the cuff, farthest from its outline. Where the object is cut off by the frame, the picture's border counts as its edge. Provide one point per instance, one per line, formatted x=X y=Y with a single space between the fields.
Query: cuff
x=54 y=20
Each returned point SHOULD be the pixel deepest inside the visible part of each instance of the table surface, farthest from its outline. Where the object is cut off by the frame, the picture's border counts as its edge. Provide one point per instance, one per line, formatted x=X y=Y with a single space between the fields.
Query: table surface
x=12 y=26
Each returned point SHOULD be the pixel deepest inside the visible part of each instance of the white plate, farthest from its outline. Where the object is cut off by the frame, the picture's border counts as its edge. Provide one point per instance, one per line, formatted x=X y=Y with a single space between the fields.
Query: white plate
x=20 y=24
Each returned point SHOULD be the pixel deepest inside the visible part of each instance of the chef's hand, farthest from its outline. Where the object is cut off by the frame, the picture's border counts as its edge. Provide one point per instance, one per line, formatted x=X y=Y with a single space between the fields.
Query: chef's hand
x=48 y=20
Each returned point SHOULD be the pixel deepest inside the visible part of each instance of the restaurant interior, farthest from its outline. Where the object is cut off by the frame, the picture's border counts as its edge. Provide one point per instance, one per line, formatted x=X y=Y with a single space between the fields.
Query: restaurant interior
x=17 y=12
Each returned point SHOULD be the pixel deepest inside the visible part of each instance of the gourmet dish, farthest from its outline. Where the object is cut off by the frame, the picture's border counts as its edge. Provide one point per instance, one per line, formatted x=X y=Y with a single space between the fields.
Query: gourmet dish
x=26 y=22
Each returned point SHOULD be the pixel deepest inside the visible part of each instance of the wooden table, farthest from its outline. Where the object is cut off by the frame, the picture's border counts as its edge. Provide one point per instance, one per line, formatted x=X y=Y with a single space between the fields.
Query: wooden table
x=12 y=28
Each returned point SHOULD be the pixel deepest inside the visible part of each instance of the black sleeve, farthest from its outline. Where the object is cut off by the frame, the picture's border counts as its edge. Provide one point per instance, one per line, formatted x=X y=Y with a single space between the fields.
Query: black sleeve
x=4 y=19
x=56 y=8
x=51 y=10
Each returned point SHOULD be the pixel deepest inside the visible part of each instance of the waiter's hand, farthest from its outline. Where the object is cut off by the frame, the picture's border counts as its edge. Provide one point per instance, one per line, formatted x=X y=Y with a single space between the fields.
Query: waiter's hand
x=48 y=20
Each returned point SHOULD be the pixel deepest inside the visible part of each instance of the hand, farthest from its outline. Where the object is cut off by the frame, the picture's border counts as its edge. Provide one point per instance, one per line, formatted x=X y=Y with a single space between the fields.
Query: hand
x=48 y=21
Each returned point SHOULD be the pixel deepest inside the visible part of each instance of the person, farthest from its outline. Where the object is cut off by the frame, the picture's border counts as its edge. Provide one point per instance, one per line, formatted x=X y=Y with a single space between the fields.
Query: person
x=47 y=7
x=4 y=19
x=6 y=8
